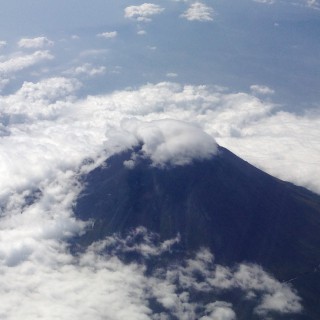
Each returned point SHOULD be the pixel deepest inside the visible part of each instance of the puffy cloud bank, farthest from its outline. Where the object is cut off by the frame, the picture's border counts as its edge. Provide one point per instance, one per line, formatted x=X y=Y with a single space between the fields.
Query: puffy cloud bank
x=48 y=137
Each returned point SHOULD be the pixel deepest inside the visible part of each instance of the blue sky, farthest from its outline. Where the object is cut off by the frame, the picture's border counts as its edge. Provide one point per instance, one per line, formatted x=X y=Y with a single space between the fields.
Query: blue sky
x=247 y=42
x=83 y=80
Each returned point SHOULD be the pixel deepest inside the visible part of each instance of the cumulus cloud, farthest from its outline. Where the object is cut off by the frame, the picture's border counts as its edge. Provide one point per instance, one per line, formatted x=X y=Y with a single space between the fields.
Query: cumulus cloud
x=219 y=310
x=144 y=12
x=35 y=43
x=108 y=35
x=199 y=11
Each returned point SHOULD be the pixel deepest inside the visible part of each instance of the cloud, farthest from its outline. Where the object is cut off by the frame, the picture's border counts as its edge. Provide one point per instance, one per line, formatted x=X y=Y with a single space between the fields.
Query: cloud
x=87 y=69
x=3 y=43
x=144 y=12
x=219 y=310
x=270 y=138
x=257 y=130
x=107 y=35
x=10 y=66
x=96 y=283
x=198 y=11
x=141 y=32
x=259 y=89
x=314 y=4
x=171 y=75
x=171 y=141
x=20 y=62
x=265 y=1
x=35 y=43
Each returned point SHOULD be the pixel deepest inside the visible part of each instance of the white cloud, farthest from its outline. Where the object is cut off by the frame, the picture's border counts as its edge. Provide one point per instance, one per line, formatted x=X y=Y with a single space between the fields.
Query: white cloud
x=171 y=141
x=21 y=62
x=219 y=310
x=265 y=1
x=87 y=69
x=108 y=35
x=10 y=66
x=35 y=43
x=144 y=12
x=272 y=140
x=259 y=89
x=198 y=11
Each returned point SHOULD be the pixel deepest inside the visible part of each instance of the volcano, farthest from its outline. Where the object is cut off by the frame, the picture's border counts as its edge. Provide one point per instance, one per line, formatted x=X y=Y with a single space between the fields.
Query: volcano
x=223 y=203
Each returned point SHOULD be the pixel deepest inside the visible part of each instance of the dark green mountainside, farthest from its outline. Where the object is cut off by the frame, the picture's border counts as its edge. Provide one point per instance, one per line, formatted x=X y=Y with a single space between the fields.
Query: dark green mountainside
x=226 y=204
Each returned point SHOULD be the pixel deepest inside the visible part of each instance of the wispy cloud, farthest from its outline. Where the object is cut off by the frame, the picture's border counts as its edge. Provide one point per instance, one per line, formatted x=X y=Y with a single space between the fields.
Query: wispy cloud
x=314 y=4
x=9 y=66
x=86 y=69
x=265 y=1
x=17 y=63
x=260 y=89
x=108 y=35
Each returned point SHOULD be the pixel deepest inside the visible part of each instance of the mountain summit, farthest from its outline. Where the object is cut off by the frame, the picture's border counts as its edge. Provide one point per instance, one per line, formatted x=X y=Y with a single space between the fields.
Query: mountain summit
x=223 y=203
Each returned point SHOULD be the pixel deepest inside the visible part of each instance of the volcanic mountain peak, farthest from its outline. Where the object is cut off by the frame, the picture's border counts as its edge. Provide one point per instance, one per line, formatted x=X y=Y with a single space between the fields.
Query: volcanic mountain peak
x=223 y=203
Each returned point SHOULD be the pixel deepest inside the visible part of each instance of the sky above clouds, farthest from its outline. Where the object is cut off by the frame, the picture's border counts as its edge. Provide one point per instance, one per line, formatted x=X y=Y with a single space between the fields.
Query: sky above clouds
x=80 y=81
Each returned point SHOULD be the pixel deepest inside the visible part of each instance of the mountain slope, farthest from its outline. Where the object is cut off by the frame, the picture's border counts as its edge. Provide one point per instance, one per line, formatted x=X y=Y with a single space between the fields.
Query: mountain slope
x=238 y=211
